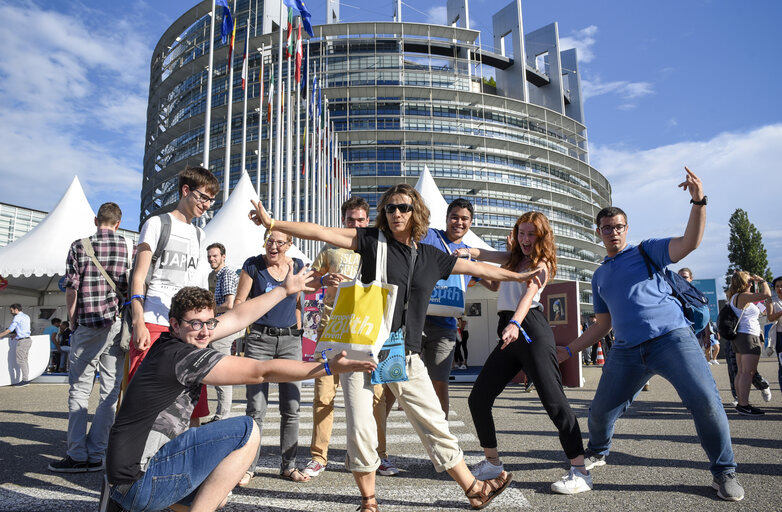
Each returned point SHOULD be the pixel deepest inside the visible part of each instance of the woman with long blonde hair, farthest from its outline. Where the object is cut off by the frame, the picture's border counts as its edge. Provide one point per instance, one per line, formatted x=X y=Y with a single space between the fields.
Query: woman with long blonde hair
x=526 y=343
x=746 y=345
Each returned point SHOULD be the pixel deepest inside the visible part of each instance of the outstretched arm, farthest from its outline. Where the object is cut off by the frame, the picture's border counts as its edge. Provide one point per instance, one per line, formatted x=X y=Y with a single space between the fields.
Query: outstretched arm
x=511 y=331
x=681 y=246
x=484 y=271
x=345 y=238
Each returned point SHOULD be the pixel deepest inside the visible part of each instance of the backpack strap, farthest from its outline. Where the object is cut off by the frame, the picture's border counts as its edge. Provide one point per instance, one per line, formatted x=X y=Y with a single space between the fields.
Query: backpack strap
x=162 y=241
x=649 y=263
x=90 y=251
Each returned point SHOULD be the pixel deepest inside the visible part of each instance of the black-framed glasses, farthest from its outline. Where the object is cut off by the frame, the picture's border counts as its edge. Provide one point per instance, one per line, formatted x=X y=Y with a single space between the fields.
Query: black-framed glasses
x=402 y=207
x=197 y=325
x=279 y=243
x=201 y=197
x=616 y=228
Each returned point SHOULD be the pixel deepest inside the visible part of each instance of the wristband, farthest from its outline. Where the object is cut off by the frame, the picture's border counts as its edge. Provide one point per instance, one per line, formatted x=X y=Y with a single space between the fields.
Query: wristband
x=137 y=297
x=271 y=225
x=325 y=362
x=569 y=353
x=516 y=323
x=321 y=281
x=521 y=330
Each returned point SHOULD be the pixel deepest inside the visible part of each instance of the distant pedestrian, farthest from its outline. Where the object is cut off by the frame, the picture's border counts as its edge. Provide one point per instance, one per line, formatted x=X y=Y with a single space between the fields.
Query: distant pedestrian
x=774 y=313
x=20 y=326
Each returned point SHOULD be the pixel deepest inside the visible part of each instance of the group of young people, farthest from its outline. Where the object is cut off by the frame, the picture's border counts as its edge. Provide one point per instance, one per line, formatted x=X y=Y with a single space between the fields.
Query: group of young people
x=154 y=460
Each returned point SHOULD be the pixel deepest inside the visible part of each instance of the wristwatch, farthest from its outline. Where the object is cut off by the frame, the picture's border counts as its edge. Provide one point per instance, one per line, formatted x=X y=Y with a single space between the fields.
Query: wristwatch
x=702 y=202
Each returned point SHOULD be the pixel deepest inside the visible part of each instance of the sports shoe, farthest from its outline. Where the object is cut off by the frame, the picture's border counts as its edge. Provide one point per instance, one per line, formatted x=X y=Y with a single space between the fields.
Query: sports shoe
x=728 y=487
x=715 y=362
x=593 y=460
x=68 y=465
x=766 y=394
x=748 y=410
x=711 y=362
x=485 y=470
x=387 y=468
x=313 y=468
x=573 y=483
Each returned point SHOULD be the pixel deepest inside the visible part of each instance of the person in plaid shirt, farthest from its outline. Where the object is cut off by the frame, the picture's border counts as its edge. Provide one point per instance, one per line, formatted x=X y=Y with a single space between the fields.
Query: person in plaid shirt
x=93 y=309
x=225 y=281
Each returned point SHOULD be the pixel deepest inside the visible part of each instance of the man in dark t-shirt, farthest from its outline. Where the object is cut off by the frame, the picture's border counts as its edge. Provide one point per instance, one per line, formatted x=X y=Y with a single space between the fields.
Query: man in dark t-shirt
x=153 y=460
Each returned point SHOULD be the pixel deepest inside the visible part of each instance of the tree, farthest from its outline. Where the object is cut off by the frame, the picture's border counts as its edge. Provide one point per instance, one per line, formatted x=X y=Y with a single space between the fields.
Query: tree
x=745 y=248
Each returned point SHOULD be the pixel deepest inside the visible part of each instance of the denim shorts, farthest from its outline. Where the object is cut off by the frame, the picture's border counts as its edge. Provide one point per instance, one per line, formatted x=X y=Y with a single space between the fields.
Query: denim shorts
x=176 y=471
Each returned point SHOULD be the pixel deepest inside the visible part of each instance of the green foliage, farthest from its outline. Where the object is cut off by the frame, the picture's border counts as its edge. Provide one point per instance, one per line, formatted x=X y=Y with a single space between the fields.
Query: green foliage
x=490 y=82
x=745 y=248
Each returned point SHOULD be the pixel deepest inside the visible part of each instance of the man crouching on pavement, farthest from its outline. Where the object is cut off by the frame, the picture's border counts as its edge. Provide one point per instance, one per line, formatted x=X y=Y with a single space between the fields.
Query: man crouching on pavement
x=153 y=460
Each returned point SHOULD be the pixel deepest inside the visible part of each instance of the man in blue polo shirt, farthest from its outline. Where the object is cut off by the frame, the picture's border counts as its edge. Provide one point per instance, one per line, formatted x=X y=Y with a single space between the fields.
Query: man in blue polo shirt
x=652 y=338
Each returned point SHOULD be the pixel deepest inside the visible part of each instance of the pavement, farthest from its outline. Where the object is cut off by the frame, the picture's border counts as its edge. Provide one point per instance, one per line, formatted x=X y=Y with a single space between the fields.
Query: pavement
x=656 y=461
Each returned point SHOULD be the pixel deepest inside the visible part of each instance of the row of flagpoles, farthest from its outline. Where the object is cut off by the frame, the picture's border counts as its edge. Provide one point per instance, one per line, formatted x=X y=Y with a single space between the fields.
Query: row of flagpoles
x=309 y=165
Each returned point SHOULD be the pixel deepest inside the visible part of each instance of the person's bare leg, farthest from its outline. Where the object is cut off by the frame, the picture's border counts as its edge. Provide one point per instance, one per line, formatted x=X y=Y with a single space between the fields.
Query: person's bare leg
x=366 y=485
x=441 y=389
x=223 y=478
x=748 y=365
x=578 y=463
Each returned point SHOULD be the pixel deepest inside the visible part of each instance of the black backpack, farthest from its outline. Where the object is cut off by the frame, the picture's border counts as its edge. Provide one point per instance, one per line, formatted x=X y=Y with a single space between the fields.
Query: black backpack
x=727 y=322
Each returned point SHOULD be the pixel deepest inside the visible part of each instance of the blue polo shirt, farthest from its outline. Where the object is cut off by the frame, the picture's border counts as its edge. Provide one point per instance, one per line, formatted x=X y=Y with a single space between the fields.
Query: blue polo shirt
x=640 y=308
x=436 y=237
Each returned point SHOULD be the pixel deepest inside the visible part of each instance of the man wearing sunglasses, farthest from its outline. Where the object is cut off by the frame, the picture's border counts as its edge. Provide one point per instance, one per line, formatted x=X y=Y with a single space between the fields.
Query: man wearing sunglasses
x=652 y=337
x=153 y=460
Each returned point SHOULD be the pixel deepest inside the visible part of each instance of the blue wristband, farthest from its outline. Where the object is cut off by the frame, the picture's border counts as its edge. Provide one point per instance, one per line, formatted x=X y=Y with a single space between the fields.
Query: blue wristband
x=521 y=330
x=325 y=362
x=569 y=353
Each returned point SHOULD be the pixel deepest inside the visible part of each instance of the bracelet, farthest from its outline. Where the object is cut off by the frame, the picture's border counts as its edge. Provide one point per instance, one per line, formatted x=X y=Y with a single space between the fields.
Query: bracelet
x=136 y=297
x=325 y=362
x=569 y=353
x=516 y=323
x=321 y=281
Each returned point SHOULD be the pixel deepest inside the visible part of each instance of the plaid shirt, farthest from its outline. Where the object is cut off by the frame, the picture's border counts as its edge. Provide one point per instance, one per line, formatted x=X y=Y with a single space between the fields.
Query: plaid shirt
x=226 y=284
x=96 y=303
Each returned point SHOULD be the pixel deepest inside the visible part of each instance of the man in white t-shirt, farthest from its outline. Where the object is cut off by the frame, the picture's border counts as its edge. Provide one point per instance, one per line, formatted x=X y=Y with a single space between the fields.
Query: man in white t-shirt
x=177 y=265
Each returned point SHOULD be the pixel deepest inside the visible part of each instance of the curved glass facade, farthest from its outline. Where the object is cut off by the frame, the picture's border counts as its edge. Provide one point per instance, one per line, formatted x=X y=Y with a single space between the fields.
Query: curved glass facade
x=402 y=96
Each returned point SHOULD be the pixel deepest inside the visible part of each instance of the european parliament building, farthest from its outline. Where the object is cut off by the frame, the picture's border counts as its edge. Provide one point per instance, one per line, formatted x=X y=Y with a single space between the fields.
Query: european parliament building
x=498 y=119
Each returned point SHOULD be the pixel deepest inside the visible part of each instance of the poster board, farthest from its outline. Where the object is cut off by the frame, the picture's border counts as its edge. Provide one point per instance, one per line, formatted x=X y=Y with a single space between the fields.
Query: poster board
x=311 y=309
x=563 y=312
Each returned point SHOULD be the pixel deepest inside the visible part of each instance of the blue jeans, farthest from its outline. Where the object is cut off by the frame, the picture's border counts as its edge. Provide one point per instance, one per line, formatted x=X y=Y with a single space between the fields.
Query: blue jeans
x=677 y=357
x=176 y=471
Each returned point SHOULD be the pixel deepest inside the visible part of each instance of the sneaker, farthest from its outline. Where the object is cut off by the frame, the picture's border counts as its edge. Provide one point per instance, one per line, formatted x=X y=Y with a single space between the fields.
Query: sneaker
x=748 y=410
x=387 y=468
x=593 y=460
x=212 y=419
x=313 y=468
x=715 y=362
x=485 y=470
x=728 y=487
x=20 y=384
x=711 y=361
x=68 y=465
x=734 y=402
x=766 y=394
x=573 y=483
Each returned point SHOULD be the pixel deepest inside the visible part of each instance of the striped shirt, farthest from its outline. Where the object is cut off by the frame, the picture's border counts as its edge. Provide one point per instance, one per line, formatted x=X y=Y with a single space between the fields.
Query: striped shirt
x=97 y=305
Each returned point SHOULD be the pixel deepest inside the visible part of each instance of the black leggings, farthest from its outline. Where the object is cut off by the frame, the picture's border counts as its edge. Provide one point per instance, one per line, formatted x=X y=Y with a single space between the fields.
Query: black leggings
x=539 y=361
x=460 y=351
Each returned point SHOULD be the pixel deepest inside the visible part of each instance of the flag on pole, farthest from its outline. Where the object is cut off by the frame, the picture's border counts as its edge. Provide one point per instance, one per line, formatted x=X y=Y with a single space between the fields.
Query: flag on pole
x=306 y=17
x=271 y=102
x=231 y=47
x=289 y=44
x=299 y=55
x=244 y=62
x=228 y=22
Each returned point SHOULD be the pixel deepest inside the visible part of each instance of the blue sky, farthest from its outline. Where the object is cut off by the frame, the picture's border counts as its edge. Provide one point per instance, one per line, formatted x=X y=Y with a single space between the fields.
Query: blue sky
x=668 y=84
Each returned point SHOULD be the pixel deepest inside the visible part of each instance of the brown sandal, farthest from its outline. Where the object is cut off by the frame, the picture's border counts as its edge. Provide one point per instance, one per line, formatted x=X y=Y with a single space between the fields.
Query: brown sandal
x=246 y=479
x=371 y=507
x=489 y=489
x=294 y=475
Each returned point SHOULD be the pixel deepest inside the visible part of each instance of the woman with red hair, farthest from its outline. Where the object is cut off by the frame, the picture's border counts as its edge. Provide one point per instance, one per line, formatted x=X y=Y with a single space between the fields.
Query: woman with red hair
x=526 y=343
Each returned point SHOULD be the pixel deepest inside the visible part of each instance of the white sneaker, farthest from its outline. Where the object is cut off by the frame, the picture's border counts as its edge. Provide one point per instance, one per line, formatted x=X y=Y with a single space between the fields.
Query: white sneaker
x=766 y=394
x=714 y=361
x=711 y=362
x=573 y=483
x=313 y=468
x=485 y=470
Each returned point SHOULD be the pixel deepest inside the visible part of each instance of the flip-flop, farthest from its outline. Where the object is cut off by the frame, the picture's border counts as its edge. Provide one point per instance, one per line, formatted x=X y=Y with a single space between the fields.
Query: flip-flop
x=246 y=479
x=295 y=471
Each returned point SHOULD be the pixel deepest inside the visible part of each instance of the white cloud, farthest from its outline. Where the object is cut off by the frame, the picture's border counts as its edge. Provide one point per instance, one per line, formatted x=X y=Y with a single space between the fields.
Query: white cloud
x=72 y=102
x=738 y=170
x=623 y=88
x=437 y=15
x=582 y=40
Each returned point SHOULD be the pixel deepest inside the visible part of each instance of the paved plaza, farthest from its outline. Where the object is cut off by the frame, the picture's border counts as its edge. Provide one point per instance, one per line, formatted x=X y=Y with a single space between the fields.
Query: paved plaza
x=656 y=462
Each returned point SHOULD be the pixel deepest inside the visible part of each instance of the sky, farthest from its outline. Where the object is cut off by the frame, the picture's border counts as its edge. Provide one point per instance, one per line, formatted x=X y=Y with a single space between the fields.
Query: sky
x=667 y=84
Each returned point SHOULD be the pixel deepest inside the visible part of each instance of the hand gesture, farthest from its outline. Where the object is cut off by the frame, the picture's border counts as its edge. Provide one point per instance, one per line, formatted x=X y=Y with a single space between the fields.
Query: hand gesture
x=334 y=279
x=562 y=354
x=462 y=252
x=141 y=336
x=509 y=335
x=295 y=283
x=537 y=277
x=341 y=364
x=692 y=184
x=259 y=215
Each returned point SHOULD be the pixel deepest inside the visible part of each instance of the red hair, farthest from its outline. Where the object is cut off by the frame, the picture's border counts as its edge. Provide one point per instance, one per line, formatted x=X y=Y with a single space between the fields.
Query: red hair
x=543 y=250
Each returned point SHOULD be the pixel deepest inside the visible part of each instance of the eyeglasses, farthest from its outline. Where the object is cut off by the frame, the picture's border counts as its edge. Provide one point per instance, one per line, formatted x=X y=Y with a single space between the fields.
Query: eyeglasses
x=278 y=243
x=402 y=207
x=197 y=325
x=618 y=228
x=201 y=197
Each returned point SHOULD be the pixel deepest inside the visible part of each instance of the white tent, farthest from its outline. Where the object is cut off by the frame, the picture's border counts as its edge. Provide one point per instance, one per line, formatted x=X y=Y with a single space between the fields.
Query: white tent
x=233 y=228
x=437 y=209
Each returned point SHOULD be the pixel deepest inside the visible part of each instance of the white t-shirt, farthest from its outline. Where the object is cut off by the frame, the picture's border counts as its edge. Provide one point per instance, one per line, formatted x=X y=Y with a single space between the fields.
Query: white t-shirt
x=777 y=308
x=176 y=267
x=511 y=293
x=748 y=321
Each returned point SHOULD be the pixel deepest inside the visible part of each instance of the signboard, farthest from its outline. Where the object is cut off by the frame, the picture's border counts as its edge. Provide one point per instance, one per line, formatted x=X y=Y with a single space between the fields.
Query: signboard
x=310 y=320
x=708 y=287
x=562 y=310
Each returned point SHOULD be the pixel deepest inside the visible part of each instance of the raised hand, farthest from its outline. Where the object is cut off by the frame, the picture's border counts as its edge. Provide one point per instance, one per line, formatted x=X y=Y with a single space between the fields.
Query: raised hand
x=692 y=184
x=259 y=215
x=295 y=283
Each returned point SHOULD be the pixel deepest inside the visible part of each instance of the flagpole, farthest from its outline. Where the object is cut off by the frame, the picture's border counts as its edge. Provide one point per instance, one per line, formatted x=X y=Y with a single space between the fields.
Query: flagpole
x=288 y=145
x=229 y=114
x=246 y=82
x=307 y=139
x=210 y=67
x=297 y=206
x=278 y=122
x=260 y=125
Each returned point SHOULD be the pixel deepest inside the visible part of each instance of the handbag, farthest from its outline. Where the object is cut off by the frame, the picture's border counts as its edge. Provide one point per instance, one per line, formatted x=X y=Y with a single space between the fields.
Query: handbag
x=361 y=319
x=448 y=295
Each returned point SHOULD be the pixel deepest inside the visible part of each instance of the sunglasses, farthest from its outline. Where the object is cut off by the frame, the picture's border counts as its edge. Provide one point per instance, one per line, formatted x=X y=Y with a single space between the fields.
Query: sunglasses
x=402 y=207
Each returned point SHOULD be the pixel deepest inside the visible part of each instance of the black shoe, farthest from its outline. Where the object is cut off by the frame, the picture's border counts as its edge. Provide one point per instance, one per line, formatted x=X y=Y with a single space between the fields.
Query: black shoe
x=748 y=410
x=21 y=384
x=213 y=419
x=68 y=465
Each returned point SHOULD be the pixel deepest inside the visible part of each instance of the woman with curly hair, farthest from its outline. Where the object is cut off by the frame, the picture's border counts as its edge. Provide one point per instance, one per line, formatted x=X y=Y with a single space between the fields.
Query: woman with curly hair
x=526 y=343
